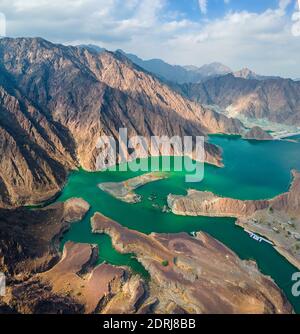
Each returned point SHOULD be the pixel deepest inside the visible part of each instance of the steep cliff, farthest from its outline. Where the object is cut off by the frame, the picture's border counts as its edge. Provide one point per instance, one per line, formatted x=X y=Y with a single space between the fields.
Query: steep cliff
x=55 y=102
x=277 y=219
x=274 y=99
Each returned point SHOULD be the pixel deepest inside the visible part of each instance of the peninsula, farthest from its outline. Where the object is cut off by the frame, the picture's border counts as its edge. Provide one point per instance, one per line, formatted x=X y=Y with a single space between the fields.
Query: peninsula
x=277 y=219
x=124 y=191
x=195 y=274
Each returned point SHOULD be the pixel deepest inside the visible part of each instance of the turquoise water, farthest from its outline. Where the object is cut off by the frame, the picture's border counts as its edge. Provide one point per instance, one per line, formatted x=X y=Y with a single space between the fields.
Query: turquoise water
x=253 y=170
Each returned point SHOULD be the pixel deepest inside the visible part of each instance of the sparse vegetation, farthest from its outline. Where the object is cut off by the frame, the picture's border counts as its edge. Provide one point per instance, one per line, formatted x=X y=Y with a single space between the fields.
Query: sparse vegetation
x=165 y=263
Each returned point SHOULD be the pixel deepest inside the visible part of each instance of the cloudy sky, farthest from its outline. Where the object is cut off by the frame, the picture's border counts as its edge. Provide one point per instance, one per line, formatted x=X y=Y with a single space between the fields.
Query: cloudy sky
x=263 y=35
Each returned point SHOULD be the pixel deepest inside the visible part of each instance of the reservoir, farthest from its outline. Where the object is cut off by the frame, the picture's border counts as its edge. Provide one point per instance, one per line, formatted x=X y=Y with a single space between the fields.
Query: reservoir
x=253 y=170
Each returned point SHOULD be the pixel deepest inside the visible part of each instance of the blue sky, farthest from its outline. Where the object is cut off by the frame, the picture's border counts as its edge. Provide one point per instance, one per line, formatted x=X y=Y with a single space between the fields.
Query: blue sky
x=217 y=8
x=263 y=35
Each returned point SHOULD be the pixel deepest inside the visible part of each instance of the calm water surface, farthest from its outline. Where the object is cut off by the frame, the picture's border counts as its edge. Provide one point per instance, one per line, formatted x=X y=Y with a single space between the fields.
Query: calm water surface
x=253 y=170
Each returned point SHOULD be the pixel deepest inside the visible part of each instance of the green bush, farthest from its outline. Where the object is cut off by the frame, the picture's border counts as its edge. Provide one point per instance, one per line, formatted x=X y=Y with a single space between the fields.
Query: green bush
x=165 y=263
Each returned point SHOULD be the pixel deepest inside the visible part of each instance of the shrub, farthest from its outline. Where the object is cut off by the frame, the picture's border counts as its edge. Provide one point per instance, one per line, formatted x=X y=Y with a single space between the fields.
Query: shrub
x=165 y=263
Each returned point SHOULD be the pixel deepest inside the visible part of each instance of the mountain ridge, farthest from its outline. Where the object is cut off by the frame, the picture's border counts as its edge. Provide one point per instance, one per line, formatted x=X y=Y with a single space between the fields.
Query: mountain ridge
x=275 y=99
x=78 y=95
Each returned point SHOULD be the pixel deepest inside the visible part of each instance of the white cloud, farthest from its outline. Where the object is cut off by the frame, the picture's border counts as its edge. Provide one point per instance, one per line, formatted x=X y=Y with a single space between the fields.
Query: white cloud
x=203 y=6
x=284 y=3
x=296 y=21
x=262 y=41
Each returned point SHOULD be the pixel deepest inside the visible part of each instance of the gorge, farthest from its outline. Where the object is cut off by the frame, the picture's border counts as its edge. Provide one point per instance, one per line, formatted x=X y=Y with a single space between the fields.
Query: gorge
x=55 y=101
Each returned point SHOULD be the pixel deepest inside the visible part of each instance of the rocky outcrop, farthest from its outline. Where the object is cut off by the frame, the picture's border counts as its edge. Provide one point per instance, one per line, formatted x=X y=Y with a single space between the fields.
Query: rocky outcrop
x=187 y=275
x=124 y=191
x=202 y=203
x=77 y=285
x=56 y=101
x=277 y=219
x=97 y=288
x=40 y=280
x=29 y=239
x=257 y=133
x=195 y=275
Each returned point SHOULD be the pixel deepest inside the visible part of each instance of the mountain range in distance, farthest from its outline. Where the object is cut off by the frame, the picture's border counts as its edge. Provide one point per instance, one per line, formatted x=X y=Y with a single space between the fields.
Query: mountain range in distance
x=184 y=74
x=55 y=102
x=242 y=94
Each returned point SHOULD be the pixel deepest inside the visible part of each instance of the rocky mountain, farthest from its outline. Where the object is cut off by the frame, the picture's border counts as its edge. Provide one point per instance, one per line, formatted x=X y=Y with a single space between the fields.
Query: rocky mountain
x=185 y=74
x=246 y=73
x=257 y=133
x=176 y=73
x=212 y=70
x=275 y=99
x=92 y=47
x=55 y=102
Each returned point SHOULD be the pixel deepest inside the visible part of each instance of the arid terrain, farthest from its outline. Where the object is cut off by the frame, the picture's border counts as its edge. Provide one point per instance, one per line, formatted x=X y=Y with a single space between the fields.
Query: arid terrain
x=124 y=191
x=187 y=274
x=277 y=219
x=55 y=103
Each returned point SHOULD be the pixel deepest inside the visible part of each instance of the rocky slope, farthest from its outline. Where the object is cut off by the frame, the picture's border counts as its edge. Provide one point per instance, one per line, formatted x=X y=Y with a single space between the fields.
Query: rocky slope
x=278 y=219
x=187 y=274
x=257 y=133
x=29 y=239
x=196 y=275
x=55 y=102
x=39 y=279
x=204 y=203
x=35 y=152
x=274 y=99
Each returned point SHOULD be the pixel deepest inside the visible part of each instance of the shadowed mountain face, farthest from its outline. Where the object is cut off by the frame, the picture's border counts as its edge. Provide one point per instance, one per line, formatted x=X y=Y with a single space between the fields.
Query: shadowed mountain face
x=55 y=102
x=277 y=99
x=243 y=92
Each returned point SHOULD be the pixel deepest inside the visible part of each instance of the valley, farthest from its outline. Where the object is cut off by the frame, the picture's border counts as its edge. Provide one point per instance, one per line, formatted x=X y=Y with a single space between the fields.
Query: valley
x=79 y=239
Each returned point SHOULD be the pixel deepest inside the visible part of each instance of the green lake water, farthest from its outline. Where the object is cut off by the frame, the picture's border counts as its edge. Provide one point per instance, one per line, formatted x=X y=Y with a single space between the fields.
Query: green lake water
x=253 y=170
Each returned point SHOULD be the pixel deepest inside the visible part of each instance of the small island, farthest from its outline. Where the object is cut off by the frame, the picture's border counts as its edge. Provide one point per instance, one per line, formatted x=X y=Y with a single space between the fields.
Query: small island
x=124 y=191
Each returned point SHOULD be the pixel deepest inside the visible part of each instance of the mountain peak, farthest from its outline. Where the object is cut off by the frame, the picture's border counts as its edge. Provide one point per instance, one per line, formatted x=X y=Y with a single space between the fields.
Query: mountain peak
x=246 y=73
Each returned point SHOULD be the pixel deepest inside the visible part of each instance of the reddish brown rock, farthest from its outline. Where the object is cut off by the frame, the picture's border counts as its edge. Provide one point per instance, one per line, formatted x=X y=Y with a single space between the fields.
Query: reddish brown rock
x=277 y=219
x=196 y=275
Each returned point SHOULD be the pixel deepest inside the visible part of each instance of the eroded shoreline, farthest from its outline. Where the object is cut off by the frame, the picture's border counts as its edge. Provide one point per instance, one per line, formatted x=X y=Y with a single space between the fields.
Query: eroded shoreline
x=277 y=219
